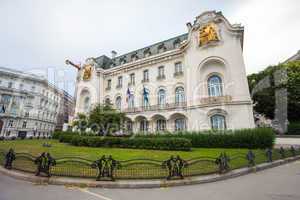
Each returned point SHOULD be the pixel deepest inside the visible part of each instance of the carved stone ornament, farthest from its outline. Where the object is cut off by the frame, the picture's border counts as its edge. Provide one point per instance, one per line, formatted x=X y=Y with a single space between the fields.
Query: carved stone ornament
x=208 y=33
x=87 y=72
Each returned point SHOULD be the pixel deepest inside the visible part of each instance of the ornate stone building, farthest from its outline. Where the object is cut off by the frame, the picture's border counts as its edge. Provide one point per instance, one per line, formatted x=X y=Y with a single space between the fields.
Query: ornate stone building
x=194 y=81
x=29 y=105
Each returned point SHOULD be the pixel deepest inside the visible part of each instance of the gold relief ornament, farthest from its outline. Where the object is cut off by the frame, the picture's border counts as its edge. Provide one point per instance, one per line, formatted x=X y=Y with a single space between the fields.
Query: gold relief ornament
x=207 y=34
x=87 y=72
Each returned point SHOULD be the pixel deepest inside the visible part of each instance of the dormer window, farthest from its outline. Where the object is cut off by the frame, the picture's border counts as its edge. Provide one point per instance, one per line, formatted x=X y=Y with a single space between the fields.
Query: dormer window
x=123 y=60
x=147 y=52
x=134 y=56
x=161 y=48
x=176 y=43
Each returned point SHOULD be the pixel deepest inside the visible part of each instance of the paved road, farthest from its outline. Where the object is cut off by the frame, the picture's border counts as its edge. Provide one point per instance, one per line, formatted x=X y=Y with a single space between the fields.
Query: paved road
x=281 y=183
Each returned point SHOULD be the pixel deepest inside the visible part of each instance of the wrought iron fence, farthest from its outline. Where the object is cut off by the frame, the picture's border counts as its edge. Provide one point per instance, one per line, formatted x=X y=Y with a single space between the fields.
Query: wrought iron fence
x=107 y=168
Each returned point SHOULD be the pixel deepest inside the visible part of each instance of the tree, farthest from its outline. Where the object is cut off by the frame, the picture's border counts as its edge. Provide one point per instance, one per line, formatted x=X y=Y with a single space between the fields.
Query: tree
x=264 y=100
x=82 y=122
x=105 y=120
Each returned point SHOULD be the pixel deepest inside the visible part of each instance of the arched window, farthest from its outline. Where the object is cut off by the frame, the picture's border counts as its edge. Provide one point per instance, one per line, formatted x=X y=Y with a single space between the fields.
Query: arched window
x=161 y=97
x=160 y=125
x=131 y=101
x=218 y=122
x=179 y=95
x=86 y=104
x=215 y=86
x=180 y=124
x=144 y=125
x=118 y=102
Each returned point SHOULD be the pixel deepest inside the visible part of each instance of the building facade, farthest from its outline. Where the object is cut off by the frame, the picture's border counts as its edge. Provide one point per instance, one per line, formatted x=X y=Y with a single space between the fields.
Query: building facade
x=29 y=105
x=195 y=81
x=66 y=111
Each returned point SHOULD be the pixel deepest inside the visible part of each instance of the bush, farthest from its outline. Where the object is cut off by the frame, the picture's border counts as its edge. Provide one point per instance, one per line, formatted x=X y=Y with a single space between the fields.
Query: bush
x=2 y=138
x=294 y=128
x=245 y=138
x=181 y=144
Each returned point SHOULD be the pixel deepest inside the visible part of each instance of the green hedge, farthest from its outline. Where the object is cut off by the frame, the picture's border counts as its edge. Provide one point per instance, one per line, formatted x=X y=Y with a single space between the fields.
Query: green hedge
x=180 y=144
x=245 y=138
x=294 y=128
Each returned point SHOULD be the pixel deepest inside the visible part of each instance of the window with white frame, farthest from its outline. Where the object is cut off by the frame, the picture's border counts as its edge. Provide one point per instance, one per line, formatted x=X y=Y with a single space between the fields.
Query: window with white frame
x=215 y=86
x=146 y=75
x=120 y=80
x=161 y=72
x=180 y=124
x=179 y=95
x=160 y=125
x=218 y=122
x=86 y=104
x=131 y=101
x=132 y=79
x=178 y=67
x=161 y=97
x=118 y=102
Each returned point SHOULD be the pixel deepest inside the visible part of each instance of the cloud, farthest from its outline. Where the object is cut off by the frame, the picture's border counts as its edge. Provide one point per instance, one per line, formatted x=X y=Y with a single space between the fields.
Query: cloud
x=272 y=29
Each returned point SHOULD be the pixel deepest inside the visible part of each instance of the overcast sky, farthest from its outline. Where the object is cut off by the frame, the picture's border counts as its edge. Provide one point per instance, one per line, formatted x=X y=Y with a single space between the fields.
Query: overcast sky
x=38 y=35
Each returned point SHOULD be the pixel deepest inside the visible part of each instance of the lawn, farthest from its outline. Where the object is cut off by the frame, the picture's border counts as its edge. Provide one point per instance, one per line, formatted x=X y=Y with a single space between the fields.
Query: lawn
x=58 y=150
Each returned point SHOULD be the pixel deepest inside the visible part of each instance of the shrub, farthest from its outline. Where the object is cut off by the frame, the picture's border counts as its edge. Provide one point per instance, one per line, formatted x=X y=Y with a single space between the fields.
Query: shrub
x=2 y=138
x=294 y=128
x=13 y=138
x=244 y=138
x=136 y=143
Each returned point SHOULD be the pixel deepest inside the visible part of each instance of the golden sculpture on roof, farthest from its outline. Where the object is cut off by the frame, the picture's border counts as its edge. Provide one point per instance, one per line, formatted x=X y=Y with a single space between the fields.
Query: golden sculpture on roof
x=207 y=34
x=87 y=72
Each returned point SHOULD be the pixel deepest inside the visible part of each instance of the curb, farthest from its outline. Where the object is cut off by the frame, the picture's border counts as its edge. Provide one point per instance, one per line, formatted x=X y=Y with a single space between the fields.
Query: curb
x=81 y=182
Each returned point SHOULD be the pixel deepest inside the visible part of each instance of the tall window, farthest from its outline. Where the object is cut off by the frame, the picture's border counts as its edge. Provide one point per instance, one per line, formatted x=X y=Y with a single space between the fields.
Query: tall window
x=120 y=80
x=161 y=97
x=132 y=79
x=24 y=124
x=180 y=124
x=108 y=84
x=179 y=95
x=21 y=86
x=10 y=85
x=215 y=86
x=131 y=101
x=178 y=67
x=161 y=72
x=146 y=75
x=218 y=122
x=160 y=125
x=118 y=103
x=144 y=125
x=86 y=106
x=145 y=96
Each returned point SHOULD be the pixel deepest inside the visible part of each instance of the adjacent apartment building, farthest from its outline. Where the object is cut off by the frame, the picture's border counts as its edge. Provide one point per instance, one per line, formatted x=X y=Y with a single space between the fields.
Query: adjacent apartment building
x=29 y=105
x=194 y=81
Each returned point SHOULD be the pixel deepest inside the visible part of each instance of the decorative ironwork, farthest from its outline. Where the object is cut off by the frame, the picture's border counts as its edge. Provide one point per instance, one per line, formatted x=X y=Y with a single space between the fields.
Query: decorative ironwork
x=106 y=167
x=9 y=158
x=175 y=166
x=269 y=154
x=282 y=153
x=44 y=163
x=223 y=162
x=251 y=158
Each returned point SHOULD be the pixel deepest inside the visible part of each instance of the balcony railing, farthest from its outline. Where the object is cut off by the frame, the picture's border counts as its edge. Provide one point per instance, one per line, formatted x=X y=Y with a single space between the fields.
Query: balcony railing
x=166 y=106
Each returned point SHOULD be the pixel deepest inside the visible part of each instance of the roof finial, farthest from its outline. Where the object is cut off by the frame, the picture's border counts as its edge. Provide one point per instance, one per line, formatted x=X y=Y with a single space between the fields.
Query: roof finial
x=113 y=54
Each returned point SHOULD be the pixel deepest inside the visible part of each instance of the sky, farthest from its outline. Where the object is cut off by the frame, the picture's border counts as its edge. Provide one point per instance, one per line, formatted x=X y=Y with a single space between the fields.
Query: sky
x=37 y=36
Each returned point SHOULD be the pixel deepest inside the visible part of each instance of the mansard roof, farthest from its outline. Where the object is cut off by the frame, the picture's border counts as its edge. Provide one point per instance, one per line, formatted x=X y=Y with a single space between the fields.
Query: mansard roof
x=105 y=62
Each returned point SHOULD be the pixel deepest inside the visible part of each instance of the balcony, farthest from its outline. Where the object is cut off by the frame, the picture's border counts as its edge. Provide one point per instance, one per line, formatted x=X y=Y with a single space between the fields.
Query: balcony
x=178 y=74
x=213 y=100
x=166 y=106
x=161 y=77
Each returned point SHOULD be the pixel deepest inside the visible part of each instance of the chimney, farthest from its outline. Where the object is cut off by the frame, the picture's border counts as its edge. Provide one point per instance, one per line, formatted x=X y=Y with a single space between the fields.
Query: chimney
x=189 y=26
x=113 y=54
